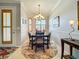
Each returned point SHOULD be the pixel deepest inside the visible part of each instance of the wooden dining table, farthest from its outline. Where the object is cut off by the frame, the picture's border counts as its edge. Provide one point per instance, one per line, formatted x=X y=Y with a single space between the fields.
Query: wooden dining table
x=34 y=36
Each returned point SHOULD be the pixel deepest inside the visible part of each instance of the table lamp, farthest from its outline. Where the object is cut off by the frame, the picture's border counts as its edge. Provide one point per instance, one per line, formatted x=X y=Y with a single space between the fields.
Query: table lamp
x=72 y=26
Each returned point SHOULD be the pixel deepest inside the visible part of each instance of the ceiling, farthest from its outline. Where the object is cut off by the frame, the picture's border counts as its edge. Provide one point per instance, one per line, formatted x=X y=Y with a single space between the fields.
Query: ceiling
x=47 y=7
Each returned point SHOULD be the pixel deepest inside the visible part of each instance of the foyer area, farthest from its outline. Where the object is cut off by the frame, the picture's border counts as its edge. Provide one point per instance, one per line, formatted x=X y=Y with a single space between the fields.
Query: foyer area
x=39 y=29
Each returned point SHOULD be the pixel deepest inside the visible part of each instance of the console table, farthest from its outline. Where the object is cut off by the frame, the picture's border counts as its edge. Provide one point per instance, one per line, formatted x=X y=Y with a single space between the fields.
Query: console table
x=71 y=42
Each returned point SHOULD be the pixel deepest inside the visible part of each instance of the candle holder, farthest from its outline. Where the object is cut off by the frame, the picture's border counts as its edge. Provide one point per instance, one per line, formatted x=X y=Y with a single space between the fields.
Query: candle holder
x=71 y=23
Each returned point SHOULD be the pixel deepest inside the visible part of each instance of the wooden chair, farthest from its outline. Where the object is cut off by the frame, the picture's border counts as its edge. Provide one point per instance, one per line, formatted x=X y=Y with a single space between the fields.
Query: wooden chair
x=39 y=43
x=31 y=40
x=39 y=33
x=47 y=40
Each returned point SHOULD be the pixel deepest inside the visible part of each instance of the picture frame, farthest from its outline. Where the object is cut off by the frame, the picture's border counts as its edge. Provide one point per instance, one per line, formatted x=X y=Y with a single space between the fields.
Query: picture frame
x=56 y=21
x=24 y=21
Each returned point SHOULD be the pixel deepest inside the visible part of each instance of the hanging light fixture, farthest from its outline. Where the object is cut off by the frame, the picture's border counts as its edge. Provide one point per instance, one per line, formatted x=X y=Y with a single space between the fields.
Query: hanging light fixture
x=39 y=16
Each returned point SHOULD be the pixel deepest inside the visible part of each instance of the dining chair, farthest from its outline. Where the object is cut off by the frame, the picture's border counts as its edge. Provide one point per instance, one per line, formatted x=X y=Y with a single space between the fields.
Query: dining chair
x=30 y=38
x=39 y=43
x=47 y=40
x=39 y=33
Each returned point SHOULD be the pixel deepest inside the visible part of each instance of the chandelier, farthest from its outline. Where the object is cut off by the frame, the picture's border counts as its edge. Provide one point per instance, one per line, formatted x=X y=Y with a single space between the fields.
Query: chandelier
x=39 y=16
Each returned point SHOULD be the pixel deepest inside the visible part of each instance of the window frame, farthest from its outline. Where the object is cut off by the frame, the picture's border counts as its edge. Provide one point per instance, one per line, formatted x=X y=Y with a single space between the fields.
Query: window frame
x=40 y=24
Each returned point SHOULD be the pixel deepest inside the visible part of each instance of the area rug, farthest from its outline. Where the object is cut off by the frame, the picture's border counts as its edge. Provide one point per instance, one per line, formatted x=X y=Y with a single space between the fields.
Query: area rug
x=31 y=54
x=9 y=51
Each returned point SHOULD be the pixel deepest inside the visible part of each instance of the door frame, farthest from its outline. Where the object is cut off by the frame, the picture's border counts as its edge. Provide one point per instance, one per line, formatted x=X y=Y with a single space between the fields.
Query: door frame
x=7 y=11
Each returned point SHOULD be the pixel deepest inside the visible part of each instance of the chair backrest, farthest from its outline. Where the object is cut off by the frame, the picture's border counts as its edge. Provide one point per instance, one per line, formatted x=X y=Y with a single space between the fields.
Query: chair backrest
x=39 y=33
x=49 y=35
x=39 y=40
x=49 y=38
x=29 y=34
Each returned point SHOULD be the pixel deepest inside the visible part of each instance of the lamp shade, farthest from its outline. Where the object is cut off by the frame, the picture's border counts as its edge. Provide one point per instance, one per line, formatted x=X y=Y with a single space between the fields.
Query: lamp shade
x=71 y=22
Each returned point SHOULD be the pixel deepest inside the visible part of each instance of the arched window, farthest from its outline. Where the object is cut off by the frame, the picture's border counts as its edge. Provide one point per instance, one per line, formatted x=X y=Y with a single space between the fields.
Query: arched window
x=40 y=25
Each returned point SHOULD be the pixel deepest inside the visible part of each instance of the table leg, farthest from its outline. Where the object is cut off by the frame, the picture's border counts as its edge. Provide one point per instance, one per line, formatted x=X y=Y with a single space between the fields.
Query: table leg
x=62 y=49
x=47 y=44
x=70 y=50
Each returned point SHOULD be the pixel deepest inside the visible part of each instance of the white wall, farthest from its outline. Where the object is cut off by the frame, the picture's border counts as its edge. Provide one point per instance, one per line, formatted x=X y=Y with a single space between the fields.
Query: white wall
x=16 y=33
x=24 y=25
x=66 y=12
x=24 y=30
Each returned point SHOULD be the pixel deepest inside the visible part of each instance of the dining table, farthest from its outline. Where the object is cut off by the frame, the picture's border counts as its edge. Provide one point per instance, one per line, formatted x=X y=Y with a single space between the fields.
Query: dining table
x=45 y=36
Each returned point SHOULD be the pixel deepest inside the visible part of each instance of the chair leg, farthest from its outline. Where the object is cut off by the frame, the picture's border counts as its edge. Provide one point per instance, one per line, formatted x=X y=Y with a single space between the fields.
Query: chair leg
x=43 y=49
x=36 y=48
x=47 y=46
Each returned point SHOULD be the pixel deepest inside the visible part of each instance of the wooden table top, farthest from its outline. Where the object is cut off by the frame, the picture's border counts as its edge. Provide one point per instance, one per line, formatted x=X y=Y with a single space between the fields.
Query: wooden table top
x=71 y=41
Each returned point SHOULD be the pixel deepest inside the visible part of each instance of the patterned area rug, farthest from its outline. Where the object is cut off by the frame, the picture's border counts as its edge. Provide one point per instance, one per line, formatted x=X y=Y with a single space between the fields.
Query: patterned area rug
x=31 y=54
x=9 y=50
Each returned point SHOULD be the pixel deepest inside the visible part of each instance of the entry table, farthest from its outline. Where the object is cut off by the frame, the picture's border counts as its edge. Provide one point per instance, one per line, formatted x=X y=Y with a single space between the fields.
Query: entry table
x=71 y=42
